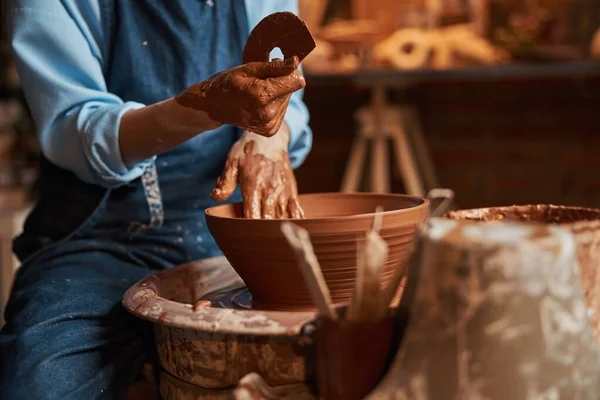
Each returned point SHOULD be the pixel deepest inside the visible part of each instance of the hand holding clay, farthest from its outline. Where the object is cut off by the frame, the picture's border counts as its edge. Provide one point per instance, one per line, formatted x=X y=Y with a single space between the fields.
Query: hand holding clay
x=262 y=167
x=253 y=96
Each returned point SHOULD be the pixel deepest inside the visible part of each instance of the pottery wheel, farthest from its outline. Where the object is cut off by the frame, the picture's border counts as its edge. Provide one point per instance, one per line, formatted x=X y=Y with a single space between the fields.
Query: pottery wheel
x=208 y=334
x=234 y=297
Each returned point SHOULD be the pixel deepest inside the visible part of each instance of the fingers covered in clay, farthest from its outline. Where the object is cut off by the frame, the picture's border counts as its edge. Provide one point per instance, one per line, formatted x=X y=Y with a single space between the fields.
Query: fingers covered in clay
x=267 y=181
x=227 y=182
x=274 y=69
x=253 y=96
x=294 y=210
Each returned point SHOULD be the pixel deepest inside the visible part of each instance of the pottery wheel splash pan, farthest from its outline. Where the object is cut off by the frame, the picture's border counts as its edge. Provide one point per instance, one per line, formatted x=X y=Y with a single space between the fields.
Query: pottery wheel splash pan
x=259 y=253
x=207 y=333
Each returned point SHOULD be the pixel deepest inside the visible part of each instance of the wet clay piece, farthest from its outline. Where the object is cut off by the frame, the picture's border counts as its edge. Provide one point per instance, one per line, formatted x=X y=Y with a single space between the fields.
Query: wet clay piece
x=584 y=223
x=284 y=30
x=498 y=314
x=252 y=96
x=260 y=254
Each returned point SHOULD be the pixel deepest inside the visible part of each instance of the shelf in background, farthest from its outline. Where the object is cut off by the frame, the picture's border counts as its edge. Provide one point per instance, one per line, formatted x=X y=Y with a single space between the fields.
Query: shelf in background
x=505 y=72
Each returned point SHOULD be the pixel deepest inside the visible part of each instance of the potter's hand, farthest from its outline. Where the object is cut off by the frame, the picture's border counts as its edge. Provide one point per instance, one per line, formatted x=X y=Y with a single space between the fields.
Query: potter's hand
x=253 y=96
x=262 y=167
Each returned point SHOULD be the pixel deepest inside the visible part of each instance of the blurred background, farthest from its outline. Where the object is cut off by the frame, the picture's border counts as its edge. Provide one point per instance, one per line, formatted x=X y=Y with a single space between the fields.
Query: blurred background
x=495 y=99
x=502 y=96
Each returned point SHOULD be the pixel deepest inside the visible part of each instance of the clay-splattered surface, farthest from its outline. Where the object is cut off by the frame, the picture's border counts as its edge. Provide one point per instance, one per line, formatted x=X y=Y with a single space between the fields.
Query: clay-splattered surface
x=587 y=236
x=250 y=387
x=172 y=388
x=213 y=360
x=499 y=314
x=215 y=347
x=253 y=387
x=169 y=296
x=541 y=213
x=584 y=223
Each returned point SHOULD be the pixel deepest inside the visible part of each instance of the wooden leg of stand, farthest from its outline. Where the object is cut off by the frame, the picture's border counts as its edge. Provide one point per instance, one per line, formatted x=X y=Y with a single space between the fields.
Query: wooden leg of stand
x=421 y=148
x=406 y=164
x=354 y=167
x=380 y=176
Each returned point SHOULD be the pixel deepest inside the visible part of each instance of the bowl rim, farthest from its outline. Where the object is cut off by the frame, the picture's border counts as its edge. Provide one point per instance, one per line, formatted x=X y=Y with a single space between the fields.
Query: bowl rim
x=570 y=224
x=422 y=203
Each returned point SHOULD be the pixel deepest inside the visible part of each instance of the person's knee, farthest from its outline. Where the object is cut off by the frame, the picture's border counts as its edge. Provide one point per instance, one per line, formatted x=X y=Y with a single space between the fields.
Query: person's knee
x=15 y=391
x=68 y=352
x=71 y=370
x=19 y=383
x=67 y=335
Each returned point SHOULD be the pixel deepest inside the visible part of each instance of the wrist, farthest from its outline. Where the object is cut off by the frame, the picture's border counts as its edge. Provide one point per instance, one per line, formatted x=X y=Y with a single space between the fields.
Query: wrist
x=154 y=129
x=269 y=146
x=285 y=132
x=180 y=117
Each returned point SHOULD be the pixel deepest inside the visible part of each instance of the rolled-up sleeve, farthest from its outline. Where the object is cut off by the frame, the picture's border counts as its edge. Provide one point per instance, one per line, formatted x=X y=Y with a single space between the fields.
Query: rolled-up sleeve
x=57 y=52
x=296 y=118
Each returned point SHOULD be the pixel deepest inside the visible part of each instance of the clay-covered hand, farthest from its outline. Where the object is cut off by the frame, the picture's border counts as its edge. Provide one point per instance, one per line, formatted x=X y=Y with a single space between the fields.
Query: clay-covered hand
x=262 y=168
x=252 y=96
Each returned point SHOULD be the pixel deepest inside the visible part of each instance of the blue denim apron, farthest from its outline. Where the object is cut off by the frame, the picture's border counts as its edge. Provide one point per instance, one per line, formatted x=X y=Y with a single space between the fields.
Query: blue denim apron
x=67 y=335
x=153 y=50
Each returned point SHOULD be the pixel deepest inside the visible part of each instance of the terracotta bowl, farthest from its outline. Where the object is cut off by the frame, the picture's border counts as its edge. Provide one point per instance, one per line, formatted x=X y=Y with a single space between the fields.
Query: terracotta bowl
x=584 y=223
x=336 y=221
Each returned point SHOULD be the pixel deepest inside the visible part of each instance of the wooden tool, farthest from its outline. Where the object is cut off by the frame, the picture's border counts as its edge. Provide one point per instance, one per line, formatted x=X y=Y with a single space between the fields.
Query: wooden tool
x=354 y=311
x=445 y=197
x=370 y=258
x=299 y=240
x=375 y=253
x=282 y=29
x=377 y=219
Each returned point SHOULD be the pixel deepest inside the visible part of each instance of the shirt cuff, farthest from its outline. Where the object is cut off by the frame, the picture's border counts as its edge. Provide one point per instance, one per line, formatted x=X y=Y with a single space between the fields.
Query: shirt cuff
x=301 y=136
x=101 y=145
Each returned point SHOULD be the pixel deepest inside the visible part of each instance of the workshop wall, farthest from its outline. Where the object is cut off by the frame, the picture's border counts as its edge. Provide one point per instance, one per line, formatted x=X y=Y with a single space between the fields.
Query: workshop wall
x=493 y=143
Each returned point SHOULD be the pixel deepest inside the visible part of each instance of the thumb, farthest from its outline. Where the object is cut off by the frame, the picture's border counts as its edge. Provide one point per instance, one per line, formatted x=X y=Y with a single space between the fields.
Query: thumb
x=227 y=182
x=274 y=69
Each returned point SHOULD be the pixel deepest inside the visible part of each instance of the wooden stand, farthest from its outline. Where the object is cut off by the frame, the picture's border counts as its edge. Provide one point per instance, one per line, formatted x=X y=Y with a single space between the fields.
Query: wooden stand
x=381 y=123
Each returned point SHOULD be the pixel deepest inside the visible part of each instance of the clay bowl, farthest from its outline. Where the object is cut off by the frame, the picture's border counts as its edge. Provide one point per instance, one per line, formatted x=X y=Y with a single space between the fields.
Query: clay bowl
x=584 y=223
x=259 y=253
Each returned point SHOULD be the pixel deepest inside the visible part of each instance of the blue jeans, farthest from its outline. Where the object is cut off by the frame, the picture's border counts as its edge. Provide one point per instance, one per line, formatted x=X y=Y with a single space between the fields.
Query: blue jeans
x=67 y=335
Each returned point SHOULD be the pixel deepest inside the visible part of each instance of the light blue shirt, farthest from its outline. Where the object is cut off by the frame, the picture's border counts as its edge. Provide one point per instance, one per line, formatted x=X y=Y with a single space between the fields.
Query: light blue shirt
x=57 y=46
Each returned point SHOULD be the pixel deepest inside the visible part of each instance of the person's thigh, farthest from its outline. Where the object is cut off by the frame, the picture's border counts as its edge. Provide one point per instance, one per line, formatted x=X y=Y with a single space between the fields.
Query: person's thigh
x=67 y=335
